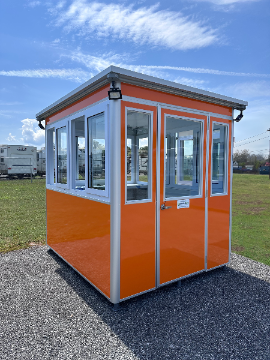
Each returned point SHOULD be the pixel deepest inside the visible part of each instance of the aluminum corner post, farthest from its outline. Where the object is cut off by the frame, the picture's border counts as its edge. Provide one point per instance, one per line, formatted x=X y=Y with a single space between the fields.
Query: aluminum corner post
x=231 y=181
x=206 y=193
x=158 y=196
x=115 y=198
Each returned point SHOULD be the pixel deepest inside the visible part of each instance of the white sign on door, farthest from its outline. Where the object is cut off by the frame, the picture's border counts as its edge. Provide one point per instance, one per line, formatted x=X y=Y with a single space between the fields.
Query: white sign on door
x=183 y=204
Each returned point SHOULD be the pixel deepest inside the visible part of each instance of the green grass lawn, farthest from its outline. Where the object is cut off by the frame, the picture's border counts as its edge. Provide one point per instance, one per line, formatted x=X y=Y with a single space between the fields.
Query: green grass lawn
x=23 y=213
x=251 y=216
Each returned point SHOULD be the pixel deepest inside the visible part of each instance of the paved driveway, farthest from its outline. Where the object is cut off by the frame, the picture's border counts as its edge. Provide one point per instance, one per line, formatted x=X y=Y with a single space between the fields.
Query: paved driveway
x=49 y=312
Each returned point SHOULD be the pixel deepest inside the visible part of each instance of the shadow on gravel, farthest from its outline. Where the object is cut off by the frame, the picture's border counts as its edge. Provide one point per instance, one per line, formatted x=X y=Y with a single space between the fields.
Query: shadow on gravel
x=223 y=314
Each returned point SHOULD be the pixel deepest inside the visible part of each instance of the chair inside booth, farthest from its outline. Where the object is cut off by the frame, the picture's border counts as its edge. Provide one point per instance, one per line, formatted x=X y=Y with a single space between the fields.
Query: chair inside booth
x=137 y=156
x=182 y=157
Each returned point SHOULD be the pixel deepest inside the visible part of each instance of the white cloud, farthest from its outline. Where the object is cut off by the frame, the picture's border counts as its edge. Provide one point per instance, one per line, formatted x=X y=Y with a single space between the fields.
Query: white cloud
x=56 y=41
x=256 y=89
x=10 y=113
x=77 y=75
x=143 y=26
x=96 y=64
x=190 y=82
x=10 y=103
x=99 y=63
x=31 y=133
x=226 y=2
x=34 y=3
x=11 y=137
x=206 y=71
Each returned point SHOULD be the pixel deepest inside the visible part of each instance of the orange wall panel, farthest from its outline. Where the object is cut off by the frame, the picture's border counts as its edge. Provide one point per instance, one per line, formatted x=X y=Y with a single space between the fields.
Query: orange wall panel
x=218 y=231
x=80 y=104
x=159 y=96
x=137 y=248
x=138 y=236
x=79 y=230
x=181 y=240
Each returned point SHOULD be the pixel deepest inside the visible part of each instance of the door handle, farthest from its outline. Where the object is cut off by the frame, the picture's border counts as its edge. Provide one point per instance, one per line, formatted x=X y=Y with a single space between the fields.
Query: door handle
x=163 y=207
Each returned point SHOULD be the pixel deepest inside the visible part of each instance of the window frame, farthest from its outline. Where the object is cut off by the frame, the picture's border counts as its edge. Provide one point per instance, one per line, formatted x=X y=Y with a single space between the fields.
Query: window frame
x=98 y=109
x=72 y=153
x=49 y=152
x=60 y=125
x=201 y=158
x=85 y=113
x=226 y=159
x=150 y=152
x=49 y=155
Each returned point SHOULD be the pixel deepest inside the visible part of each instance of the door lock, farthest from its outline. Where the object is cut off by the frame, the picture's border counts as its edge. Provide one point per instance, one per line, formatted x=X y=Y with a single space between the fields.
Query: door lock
x=163 y=207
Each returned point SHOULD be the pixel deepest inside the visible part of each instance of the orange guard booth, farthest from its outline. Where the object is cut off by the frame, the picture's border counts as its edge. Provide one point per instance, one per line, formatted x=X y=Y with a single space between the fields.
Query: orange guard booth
x=139 y=181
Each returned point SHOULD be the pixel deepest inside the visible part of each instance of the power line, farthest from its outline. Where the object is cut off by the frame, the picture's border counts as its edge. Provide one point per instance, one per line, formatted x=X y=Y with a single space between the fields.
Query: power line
x=250 y=137
x=253 y=141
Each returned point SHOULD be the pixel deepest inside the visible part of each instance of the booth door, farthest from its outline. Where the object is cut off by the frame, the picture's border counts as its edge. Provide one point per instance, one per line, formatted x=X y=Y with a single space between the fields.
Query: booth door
x=138 y=199
x=181 y=211
x=219 y=174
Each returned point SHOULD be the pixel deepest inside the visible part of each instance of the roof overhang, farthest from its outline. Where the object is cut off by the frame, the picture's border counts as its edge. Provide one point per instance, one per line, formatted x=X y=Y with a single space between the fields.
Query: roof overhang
x=150 y=82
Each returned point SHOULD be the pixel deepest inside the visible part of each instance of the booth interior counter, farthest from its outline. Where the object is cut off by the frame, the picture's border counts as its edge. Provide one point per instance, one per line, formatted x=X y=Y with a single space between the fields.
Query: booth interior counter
x=139 y=181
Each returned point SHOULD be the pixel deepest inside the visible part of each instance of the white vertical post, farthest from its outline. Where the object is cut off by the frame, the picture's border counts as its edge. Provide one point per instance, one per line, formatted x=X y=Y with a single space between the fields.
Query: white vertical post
x=115 y=198
x=231 y=180
x=206 y=192
x=158 y=175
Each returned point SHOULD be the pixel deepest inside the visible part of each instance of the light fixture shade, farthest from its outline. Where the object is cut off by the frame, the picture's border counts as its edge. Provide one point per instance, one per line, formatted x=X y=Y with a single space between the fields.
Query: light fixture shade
x=115 y=94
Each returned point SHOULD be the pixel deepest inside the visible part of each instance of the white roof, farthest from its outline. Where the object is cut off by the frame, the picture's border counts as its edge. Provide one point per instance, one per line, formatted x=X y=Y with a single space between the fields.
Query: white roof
x=132 y=77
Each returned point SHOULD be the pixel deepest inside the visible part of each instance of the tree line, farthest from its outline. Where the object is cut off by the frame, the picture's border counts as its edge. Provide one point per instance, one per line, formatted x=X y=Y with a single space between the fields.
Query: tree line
x=244 y=157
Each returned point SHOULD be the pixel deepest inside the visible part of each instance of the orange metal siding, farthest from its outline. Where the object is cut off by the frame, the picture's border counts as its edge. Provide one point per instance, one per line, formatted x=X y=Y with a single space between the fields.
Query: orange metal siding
x=79 y=230
x=153 y=95
x=80 y=104
x=138 y=233
x=181 y=230
x=218 y=213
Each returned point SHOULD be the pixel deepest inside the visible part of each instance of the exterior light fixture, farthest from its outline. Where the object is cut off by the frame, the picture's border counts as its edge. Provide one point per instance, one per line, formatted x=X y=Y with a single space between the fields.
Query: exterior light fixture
x=114 y=93
x=40 y=125
x=239 y=117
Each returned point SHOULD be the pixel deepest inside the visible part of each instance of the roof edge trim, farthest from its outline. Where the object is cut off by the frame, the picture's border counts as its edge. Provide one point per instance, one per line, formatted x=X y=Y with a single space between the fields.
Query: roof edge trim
x=146 y=81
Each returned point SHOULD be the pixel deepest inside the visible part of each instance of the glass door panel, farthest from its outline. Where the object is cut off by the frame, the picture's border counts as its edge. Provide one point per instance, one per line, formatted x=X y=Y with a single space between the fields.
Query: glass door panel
x=183 y=158
x=137 y=156
x=219 y=158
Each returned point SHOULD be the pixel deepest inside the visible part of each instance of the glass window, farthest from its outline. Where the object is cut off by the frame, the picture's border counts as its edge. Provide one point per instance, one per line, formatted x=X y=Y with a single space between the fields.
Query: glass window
x=182 y=157
x=219 y=155
x=62 y=155
x=2 y=159
x=78 y=154
x=137 y=156
x=97 y=150
x=50 y=154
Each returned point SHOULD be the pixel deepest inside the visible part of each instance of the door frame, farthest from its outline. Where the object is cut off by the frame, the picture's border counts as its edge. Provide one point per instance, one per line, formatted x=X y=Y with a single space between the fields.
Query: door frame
x=203 y=168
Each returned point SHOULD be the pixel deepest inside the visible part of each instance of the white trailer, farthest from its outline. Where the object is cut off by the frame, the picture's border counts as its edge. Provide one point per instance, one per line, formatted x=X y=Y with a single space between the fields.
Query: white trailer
x=18 y=160
x=41 y=161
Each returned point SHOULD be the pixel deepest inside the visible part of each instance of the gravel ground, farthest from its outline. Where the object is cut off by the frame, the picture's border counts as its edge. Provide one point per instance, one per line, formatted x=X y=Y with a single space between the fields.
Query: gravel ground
x=49 y=312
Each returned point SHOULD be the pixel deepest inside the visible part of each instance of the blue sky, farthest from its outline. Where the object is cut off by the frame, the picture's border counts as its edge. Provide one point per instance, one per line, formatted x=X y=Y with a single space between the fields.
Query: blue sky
x=49 y=48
